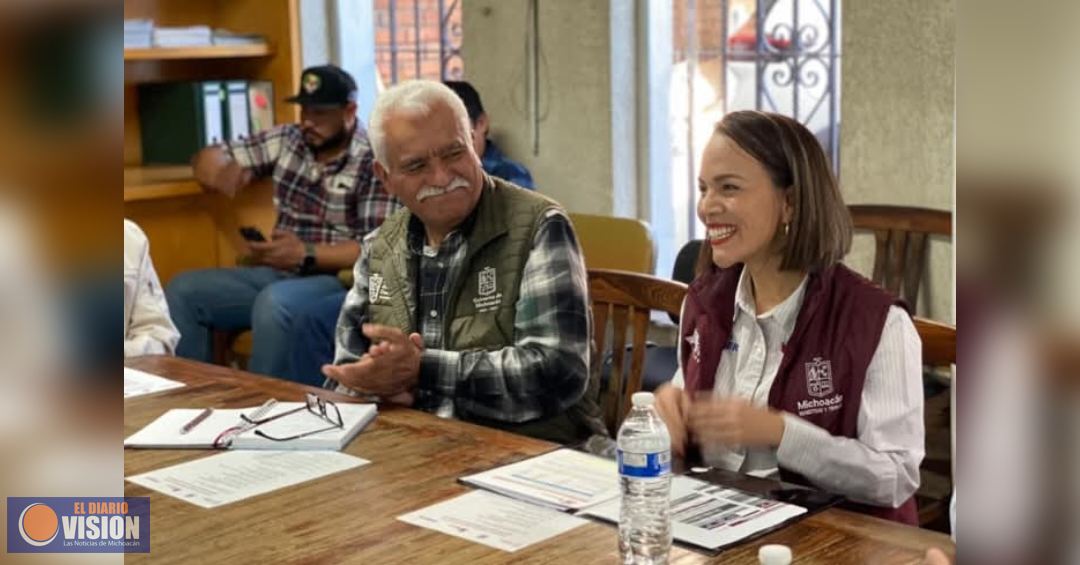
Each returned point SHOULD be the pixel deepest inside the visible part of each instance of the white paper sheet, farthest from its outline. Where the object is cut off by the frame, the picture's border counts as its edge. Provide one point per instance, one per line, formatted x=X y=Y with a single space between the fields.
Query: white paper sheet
x=138 y=383
x=563 y=479
x=222 y=479
x=494 y=520
x=712 y=516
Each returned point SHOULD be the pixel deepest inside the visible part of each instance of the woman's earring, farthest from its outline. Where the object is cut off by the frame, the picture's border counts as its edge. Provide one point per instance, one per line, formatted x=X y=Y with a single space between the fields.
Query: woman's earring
x=787 y=229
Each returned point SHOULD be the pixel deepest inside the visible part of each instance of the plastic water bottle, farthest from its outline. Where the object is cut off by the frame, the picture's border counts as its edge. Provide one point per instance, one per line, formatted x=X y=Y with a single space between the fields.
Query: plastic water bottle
x=645 y=475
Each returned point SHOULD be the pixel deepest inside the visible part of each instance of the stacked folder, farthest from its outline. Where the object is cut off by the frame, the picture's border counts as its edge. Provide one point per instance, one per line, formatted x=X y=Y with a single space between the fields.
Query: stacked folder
x=179 y=118
x=138 y=34
x=187 y=36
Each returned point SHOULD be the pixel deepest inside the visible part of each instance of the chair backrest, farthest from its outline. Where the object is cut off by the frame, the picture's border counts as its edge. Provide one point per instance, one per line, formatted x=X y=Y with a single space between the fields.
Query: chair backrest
x=685 y=261
x=938 y=342
x=626 y=299
x=901 y=234
x=938 y=350
x=608 y=242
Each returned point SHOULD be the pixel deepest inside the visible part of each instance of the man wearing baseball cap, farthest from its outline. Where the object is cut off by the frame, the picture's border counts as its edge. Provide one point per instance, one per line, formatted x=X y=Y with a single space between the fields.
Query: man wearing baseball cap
x=327 y=199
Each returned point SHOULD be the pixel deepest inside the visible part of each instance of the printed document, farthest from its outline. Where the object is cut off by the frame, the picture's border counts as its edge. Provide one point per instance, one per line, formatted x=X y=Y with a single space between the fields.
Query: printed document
x=563 y=479
x=138 y=383
x=494 y=520
x=712 y=516
x=235 y=475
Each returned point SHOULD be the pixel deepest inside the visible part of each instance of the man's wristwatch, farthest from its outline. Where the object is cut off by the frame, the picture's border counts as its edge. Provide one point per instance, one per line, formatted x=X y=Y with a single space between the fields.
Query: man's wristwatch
x=307 y=266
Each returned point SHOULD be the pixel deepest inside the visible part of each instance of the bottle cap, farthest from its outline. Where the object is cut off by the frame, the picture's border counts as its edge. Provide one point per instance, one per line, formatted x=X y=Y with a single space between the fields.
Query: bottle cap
x=642 y=399
x=774 y=555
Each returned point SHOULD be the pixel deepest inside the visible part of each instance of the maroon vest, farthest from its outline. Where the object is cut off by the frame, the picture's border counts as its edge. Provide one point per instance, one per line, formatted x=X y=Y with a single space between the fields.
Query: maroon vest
x=824 y=363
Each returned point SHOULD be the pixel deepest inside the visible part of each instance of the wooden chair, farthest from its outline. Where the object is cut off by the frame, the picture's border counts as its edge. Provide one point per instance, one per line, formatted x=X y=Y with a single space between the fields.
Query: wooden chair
x=901 y=235
x=608 y=242
x=938 y=342
x=626 y=299
x=939 y=350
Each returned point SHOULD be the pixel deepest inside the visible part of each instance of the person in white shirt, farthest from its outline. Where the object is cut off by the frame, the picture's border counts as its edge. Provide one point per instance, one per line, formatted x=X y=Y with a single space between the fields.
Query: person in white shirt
x=789 y=361
x=148 y=330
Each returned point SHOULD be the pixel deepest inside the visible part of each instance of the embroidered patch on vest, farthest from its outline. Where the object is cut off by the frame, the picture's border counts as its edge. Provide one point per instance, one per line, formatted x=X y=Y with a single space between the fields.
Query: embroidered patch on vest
x=487 y=299
x=819 y=378
x=375 y=288
x=486 y=286
x=694 y=340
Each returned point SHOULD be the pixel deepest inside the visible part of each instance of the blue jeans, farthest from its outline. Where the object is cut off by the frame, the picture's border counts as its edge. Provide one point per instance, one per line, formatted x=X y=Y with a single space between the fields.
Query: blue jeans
x=260 y=298
x=313 y=338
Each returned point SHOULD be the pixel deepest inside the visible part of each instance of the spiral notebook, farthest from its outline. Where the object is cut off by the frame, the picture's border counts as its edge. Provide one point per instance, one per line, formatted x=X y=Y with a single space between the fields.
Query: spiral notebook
x=166 y=431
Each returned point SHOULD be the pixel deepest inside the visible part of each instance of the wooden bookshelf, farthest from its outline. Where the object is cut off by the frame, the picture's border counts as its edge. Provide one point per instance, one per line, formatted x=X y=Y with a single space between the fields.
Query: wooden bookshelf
x=207 y=52
x=187 y=228
x=148 y=183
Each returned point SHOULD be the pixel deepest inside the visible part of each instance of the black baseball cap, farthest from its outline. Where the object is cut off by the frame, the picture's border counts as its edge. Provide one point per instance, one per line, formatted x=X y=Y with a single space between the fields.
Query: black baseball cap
x=325 y=85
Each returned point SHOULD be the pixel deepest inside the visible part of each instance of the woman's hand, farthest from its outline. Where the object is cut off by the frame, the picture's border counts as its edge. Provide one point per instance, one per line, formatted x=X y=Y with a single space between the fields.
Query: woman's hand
x=734 y=421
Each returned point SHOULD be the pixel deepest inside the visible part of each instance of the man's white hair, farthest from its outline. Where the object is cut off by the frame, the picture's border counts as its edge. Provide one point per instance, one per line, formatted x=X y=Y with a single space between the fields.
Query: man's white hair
x=412 y=98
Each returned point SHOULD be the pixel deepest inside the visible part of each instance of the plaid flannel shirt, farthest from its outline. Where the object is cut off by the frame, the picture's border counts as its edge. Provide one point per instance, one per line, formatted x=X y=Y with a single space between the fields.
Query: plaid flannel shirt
x=545 y=370
x=320 y=202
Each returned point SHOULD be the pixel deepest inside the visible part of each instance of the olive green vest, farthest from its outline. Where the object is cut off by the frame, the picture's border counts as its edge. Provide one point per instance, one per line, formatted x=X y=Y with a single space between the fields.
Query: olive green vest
x=481 y=304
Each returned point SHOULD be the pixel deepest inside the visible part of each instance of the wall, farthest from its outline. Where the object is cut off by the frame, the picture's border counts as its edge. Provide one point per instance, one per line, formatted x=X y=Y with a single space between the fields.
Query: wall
x=897 y=115
x=336 y=31
x=573 y=161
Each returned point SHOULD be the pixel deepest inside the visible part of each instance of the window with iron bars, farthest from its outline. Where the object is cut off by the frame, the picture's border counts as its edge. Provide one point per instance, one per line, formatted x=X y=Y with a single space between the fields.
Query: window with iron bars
x=418 y=39
x=778 y=56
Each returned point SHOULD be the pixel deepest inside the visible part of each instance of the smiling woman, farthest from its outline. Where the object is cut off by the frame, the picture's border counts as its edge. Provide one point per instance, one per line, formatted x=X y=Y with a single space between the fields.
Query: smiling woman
x=771 y=169
x=792 y=363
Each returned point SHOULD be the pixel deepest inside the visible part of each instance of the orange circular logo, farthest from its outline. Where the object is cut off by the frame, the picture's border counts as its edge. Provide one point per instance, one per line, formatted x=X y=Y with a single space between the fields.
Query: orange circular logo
x=38 y=524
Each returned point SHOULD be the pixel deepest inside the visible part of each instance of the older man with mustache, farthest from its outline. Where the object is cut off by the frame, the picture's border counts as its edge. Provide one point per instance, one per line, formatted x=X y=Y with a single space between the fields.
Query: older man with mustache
x=472 y=301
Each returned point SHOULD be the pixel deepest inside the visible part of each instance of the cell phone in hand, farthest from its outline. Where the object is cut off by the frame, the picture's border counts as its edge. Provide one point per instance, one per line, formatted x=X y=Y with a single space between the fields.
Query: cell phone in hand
x=252 y=233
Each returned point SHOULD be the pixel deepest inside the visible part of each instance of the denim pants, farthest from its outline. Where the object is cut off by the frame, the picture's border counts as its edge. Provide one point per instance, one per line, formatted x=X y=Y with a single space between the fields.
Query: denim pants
x=260 y=298
x=313 y=338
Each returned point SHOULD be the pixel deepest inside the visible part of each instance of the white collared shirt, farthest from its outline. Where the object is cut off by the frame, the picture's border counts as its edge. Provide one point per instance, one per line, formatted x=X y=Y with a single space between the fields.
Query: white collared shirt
x=881 y=465
x=147 y=326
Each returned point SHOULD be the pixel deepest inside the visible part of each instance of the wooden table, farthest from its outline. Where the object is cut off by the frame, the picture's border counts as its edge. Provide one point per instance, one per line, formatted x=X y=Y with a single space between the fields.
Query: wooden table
x=415 y=459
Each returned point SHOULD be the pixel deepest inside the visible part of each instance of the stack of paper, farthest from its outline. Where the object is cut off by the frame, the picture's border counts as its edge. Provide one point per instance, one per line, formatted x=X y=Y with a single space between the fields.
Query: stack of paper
x=711 y=516
x=138 y=34
x=493 y=520
x=165 y=432
x=538 y=493
x=138 y=383
x=226 y=37
x=563 y=479
x=703 y=514
x=229 y=477
x=190 y=36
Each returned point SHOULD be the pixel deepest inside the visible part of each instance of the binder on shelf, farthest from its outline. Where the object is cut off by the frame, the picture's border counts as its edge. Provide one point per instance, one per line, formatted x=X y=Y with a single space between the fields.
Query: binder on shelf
x=261 y=104
x=179 y=118
x=239 y=119
x=213 y=114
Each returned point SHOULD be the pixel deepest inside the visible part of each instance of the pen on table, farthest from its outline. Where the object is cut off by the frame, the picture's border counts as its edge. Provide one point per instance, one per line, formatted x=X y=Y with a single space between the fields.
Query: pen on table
x=196 y=421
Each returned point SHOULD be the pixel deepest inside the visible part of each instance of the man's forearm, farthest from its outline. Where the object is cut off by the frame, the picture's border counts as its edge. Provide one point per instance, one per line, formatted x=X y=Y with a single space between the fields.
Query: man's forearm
x=515 y=383
x=333 y=257
x=217 y=171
